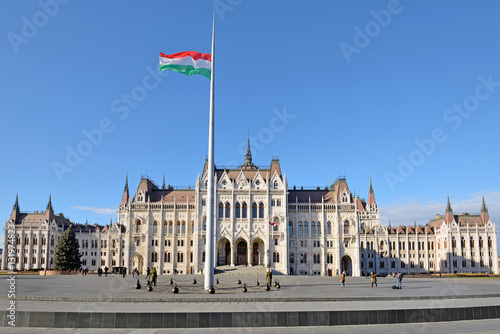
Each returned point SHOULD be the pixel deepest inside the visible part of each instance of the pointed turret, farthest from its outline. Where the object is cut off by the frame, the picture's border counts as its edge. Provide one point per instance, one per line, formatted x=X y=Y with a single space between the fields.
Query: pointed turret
x=448 y=216
x=49 y=211
x=15 y=211
x=485 y=216
x=125 y=197
x=371 y=196
x=163 y=186
x=248 y=157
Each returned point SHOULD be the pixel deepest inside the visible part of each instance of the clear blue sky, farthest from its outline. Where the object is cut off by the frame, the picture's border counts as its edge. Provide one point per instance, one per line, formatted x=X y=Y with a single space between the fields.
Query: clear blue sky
x=361 y=81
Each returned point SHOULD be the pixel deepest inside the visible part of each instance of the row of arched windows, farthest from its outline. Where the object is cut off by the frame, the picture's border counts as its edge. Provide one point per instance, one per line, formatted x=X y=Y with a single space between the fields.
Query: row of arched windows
x=240 y=210
x=168 y=227
x=303 y=228
x=167 y=257
x=34 y=240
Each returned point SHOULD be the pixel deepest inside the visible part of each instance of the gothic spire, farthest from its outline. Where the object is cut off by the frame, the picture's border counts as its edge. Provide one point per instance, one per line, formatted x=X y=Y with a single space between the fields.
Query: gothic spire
x=448 y=206
x=485 y=216
x=248 y=157
x=16 y=205
x=483 y=206
x=371 y=188
x=125 y=197
x=49 y=205
x=163 y=186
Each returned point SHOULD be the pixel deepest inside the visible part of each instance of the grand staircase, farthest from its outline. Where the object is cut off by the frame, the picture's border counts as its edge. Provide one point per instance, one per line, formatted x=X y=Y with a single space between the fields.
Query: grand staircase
x=240 y=270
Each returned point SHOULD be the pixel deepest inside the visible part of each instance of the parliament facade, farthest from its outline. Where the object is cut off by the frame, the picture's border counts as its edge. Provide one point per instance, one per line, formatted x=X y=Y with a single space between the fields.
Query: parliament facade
x=260 y=221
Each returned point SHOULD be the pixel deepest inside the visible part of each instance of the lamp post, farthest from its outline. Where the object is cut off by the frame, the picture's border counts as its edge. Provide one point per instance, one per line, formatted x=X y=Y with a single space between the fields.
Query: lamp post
x=268 y=258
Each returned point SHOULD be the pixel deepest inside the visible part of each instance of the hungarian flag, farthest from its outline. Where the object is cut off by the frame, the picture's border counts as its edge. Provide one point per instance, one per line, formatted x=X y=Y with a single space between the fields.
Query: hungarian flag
x=189 y=63
x=273 y=223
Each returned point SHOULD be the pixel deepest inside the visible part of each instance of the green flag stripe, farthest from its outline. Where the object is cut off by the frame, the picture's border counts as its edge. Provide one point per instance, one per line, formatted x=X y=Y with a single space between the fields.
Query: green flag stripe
x=187 y=69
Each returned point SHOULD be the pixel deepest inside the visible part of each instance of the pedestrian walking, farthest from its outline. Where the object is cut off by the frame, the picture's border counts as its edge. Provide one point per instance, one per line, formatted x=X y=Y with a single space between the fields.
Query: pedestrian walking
x=124 y=271
x=342 y=279
x=269 y=276
x=154 y=275
x=148 y=274
x=374 y=279
x=106 y=271
x=400 y=278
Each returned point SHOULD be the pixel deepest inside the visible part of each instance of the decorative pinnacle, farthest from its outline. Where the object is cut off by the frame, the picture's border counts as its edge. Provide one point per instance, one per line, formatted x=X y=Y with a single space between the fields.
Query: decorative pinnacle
x=371 y=188
x=448 y=206
x=483 y=206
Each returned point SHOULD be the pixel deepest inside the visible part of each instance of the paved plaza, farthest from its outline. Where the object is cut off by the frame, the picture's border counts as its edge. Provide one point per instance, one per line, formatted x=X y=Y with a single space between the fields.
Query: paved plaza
x=307 y=295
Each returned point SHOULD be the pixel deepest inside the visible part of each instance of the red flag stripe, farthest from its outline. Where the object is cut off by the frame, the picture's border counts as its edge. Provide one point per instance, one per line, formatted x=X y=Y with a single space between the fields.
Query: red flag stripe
x=193 y=54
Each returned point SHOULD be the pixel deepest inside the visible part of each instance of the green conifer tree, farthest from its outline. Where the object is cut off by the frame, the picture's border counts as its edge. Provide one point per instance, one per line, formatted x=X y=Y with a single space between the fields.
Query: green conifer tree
x=68 y=251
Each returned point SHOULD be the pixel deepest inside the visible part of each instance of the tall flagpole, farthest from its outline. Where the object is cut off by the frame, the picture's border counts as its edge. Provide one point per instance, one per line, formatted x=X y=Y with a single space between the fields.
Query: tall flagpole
x=209 y=249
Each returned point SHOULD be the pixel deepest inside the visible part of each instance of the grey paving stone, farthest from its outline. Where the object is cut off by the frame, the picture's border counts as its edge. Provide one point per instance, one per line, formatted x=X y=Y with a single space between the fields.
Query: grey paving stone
x=108 y=320
x=144 y=320
x=476 y=313
x=249 y=319
x=96 y=320
x=401 y=316
x=180 y=320
x=281 y=319
x=363 y=318
x=168 y=320
x=292 y=319
x=41 y=319
x=71 y=320
x=238 y=319
x=193 y=320
x=267 y=319
x=353 y=318
x=215 y=319
x=392 y=317
x=133 y=320
x=485 y=312
x=59 y=319
x=343 y=318
x=333 y=318
x=312 y=318
x=492 y=310
x=323 y=318
x=302 y=318
x=226 y=320
x=156 y=320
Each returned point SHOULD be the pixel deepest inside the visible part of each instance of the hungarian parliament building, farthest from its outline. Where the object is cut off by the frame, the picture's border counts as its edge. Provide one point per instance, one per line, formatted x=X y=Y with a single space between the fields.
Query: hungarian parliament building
x=259 y=221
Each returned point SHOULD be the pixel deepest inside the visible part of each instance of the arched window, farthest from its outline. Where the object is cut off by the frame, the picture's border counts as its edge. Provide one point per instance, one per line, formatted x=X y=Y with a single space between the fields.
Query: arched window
x=183 y=227
x=154 y=256
x=191 y=257
x=346 y=227
x=244 y=210
x=254 y=210
x=165 y=227
x=52 y=240
x=238 y=211
x=178 y=228
x=480 y=244
x=261 y=210
x=291 y=258
x=203 y=256
x=138 y=227
x=221 y=210
x=180 y=257
x=44 y=241
x=313 y=228
x=155 y=227
x=228 y=210
x=35 y=241
x=382 y=264
x=192 y=227
x=275 y=185
x=290 y=228
x=381 y=245
x=170 y=227
x=306 y=232
x=489 y=243
x=318 y=228
x=166 y=257
x=300 y=227
x=471 y=242
x=328 y=228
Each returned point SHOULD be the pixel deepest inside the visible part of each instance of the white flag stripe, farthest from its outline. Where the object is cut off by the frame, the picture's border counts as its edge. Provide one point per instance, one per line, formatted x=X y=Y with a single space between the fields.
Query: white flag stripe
x=200 y=63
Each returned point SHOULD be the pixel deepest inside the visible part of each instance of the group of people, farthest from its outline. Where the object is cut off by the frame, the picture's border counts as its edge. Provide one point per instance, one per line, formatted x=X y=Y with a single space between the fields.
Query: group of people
x=151 y=276
x=373 y=277
x=100 y=271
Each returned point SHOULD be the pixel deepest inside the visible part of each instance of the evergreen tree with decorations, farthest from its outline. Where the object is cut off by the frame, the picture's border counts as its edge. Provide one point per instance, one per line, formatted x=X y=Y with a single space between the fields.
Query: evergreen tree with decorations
x=68 y=251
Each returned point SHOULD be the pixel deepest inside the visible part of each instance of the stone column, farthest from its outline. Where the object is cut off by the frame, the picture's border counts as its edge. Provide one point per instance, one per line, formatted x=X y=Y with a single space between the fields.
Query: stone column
x=249 y=254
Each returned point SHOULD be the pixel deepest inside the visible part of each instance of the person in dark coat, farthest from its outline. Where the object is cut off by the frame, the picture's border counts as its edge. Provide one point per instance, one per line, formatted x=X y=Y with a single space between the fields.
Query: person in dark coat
x=400 y=278
x=269 y=276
